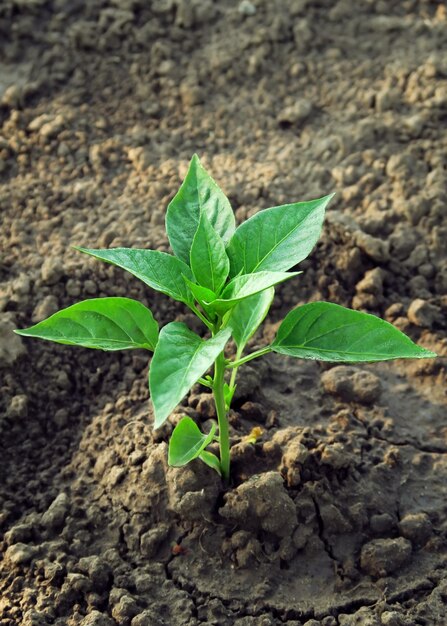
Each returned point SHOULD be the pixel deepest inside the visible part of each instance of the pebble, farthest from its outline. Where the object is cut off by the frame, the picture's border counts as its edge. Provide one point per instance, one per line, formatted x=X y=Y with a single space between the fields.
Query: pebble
x=96 y=618
x=262 y=502
x=20 y=554
x=45 y=308
x=402 y=243
x=352 y=384
x=11 y=345
x=52 y=128
x=22 y=285
x=422 y=313
x=381 y=557
x=146 y=618
x=376 y=249
x=296 y=113
x=152 y=539
x=381 y=523
x=416 y=527
x=34 y=618
x=362 y=617
x=393 y=618
x=387 y=98
x=73 y=287
x=191 y=94
x=18 y=406
x=54 y=516
x=98 y=570
x=125 y=609
x=19 y=534
x=246 y=8
x=52 y=270
x=372 y=282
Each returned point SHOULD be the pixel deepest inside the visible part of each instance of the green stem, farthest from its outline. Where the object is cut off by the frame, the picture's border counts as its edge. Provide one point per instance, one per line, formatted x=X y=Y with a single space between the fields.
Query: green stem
x=249 y=357
x=205 y=383
x=219 y=399
x=195 y=310
x=234 y=370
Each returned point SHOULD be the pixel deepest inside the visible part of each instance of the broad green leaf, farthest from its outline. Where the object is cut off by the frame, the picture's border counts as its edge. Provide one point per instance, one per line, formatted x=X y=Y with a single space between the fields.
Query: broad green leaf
x=247 y=285
x=187 y=442
x=211 y=460
x=329 y=332
x=102 y=323
x=248 y=315
x=180 y=359
x=161 y=271
x=209 y=262
x=198 y=194
x=278 y=238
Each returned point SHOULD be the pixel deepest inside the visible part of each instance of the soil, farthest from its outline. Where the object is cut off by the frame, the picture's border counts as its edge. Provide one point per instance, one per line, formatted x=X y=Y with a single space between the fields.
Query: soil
x=337 y=515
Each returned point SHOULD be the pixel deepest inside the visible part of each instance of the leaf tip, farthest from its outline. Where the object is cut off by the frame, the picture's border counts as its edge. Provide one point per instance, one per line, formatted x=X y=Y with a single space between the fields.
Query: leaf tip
x=426 y=354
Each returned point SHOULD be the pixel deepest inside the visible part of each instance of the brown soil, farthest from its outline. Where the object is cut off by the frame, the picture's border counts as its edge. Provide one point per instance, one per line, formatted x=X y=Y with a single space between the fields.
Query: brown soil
x=337 y=516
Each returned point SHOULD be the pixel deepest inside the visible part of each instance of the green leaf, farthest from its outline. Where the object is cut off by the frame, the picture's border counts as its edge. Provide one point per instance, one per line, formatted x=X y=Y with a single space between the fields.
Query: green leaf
x=211 y=460
x=277 y=238
x=329 y=332
x=247 y=285
x=198 y=194
x=180 y=359
x=102 y=323
x=161 y=271
x=187 y=442
x=209 y=261
x=202 y=295
x=248 y=315
x=228 y=395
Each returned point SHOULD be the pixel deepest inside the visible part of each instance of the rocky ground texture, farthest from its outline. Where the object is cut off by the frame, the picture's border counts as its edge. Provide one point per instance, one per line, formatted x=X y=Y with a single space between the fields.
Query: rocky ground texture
x=337 y=515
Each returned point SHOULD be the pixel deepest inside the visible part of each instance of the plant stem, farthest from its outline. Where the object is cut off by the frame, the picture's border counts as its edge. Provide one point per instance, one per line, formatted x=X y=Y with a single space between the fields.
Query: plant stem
x=249 y=357
x=234 y=370
x=205 y=383
x=219 y=399
x=195 y=310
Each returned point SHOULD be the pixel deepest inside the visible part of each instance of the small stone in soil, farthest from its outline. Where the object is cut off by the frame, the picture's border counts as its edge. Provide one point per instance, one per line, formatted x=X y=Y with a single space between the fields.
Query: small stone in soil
x=54 y=517
x=11 y=345
x=262 y=503
x=96 y=618
x=352 y=384
x=20 y=554
x=381 y=557
x=424 y=314
x=416 y=527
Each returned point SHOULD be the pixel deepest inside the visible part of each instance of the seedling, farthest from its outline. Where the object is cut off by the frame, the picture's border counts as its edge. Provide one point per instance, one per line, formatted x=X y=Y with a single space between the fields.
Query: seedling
x=226 y=276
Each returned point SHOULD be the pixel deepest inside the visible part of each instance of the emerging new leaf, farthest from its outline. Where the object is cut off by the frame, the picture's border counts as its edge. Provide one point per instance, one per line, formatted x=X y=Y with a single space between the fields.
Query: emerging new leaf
x=198 y=194
x=211 y=460
x=209 y=261
x=187 y=442
x=247 y=285
x=278 y=238
x=202 y=295
x=329 y=332
x=248 y=315
x=161 y=271
x=102 y=323
x=180 y=359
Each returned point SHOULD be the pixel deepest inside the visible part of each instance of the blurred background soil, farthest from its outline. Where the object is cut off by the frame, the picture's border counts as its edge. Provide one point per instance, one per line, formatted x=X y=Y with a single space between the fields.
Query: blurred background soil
x=337 y=515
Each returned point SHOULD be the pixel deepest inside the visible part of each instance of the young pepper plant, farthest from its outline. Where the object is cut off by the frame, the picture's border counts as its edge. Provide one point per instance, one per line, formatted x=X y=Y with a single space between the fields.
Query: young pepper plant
x=226 y=276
